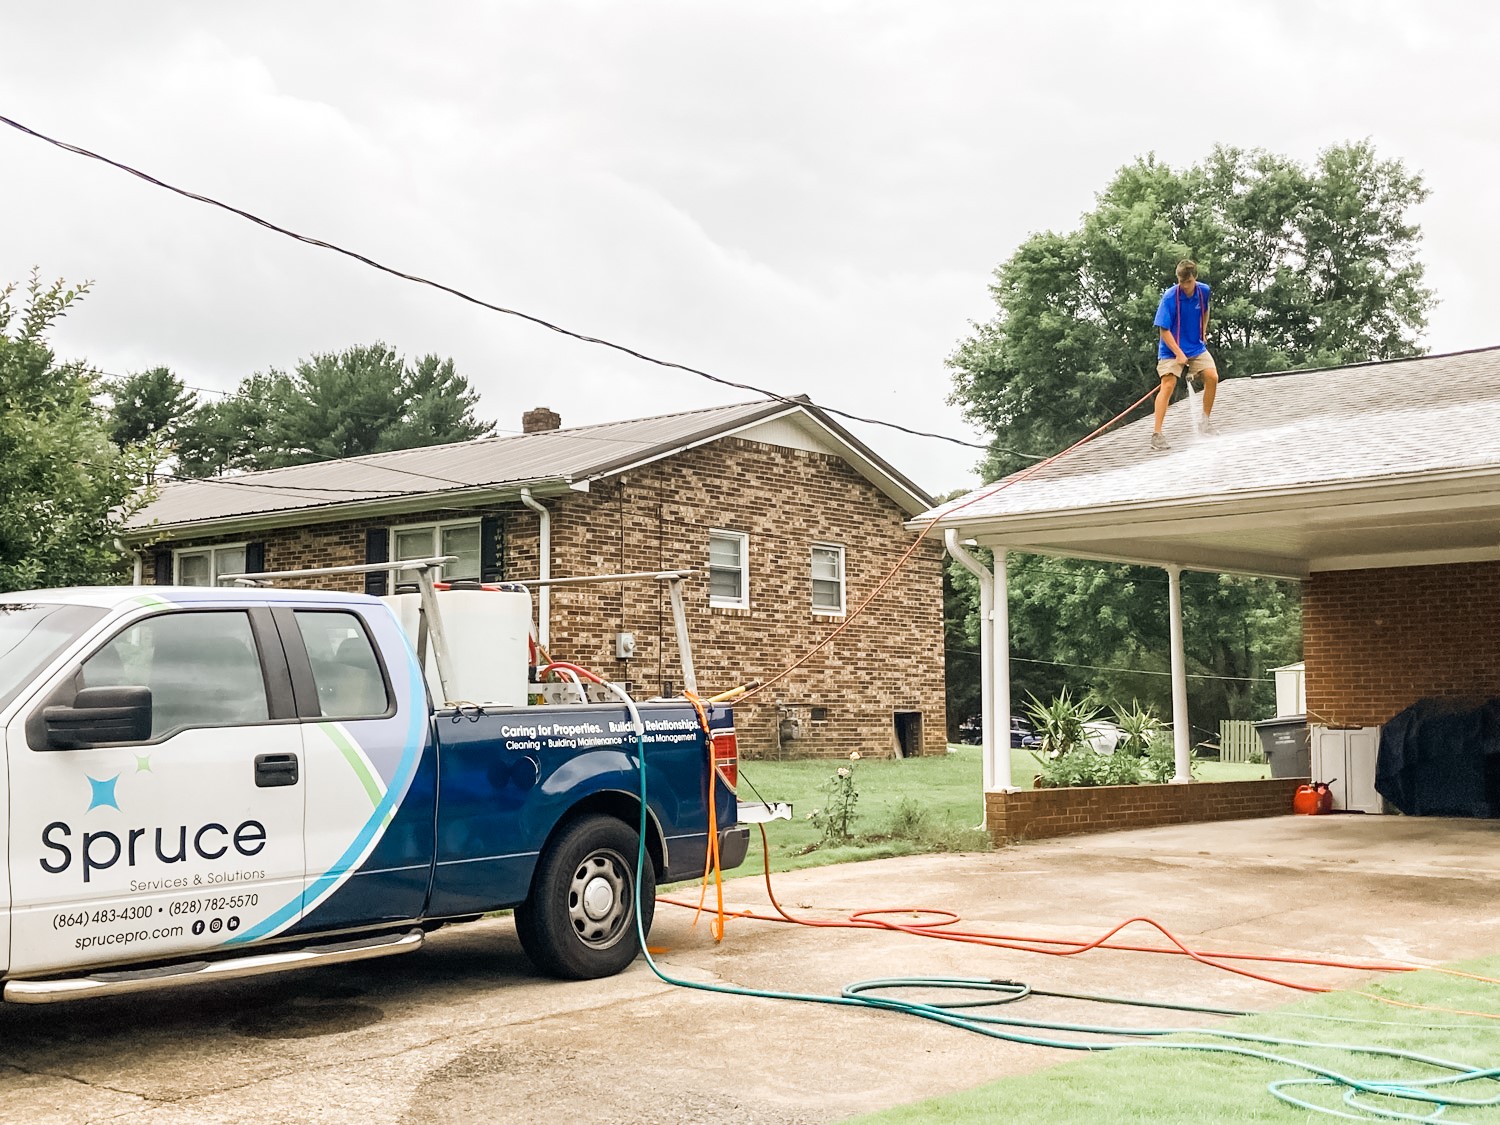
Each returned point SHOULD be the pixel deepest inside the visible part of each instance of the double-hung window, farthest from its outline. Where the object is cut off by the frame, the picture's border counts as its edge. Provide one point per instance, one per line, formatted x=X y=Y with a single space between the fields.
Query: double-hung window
x=425 y=541
x=203 y=566
x=827 y=578
x=728 y=569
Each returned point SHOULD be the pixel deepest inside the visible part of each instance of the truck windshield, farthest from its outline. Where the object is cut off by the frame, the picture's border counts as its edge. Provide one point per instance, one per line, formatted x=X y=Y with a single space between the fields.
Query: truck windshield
x=31 y=634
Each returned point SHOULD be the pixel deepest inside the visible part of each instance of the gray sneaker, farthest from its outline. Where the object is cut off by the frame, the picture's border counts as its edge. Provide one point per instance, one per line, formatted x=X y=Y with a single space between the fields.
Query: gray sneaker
x=1206 y=426
x=1159 y=442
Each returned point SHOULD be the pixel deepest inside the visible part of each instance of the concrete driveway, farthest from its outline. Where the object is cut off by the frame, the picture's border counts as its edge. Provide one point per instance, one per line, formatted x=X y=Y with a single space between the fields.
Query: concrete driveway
x=462 y=1030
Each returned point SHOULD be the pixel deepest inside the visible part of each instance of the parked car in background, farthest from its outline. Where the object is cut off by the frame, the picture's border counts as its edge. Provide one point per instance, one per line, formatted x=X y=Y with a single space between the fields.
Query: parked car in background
x=1104 y=737
x=971 y=732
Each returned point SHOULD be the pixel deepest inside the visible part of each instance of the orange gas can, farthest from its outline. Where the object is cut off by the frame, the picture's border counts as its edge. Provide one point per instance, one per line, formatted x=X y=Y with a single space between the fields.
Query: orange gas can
x=1310 y=800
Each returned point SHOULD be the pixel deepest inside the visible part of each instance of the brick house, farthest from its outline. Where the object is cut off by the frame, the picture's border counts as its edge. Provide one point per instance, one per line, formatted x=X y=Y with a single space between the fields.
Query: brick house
x=1375 y=486
x=793 y=518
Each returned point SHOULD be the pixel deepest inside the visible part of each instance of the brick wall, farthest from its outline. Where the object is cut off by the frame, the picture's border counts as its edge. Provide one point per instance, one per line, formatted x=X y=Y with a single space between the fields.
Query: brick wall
x=1376 y=641
x=1031 y=814
x=658 y=517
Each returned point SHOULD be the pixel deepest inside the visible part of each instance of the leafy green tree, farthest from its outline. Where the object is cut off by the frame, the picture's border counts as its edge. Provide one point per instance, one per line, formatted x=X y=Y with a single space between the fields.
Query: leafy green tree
x=65 y=487
x=1309 y=266
x=344 y=404
x=148 y=405
x=233 y=432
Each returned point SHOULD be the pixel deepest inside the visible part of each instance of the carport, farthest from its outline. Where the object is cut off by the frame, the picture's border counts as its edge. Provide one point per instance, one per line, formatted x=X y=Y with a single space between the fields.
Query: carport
x=1377 y=486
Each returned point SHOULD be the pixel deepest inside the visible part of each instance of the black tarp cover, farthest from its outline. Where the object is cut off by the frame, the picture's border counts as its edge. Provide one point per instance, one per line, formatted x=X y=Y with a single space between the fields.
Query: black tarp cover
x=1442 y=758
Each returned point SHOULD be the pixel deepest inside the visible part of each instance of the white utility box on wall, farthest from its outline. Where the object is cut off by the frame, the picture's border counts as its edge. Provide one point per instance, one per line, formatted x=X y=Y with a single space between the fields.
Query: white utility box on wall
x=1346 y=757
x=1291 y=689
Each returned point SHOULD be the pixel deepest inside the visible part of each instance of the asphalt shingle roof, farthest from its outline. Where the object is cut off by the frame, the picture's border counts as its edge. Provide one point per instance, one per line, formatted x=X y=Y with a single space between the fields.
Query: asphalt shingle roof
x=1398 y=419
x=513 y=460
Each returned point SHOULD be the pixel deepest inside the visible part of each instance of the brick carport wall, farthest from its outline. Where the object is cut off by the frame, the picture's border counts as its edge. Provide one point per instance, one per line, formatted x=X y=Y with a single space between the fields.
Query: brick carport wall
x=1376 y=641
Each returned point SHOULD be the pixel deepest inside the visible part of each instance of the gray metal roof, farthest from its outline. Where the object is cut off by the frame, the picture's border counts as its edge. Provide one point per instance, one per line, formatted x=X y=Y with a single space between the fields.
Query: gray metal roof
x=1382 y=464
x=473 y=471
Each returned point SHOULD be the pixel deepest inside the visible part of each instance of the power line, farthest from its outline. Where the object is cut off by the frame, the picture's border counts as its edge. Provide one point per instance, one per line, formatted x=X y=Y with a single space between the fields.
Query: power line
x=1132 y=671
x=78 y=150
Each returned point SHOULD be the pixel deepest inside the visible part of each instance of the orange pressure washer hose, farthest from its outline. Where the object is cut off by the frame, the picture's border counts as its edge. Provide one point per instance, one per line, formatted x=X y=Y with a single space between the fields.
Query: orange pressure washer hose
x=1068 y=947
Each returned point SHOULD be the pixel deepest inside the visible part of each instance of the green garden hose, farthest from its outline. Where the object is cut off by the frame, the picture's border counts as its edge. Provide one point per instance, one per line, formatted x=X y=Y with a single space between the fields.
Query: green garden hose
x=993 y=993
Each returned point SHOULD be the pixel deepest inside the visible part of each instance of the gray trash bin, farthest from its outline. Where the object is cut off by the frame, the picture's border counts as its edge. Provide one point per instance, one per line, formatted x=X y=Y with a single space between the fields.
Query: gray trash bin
x=1288 y=746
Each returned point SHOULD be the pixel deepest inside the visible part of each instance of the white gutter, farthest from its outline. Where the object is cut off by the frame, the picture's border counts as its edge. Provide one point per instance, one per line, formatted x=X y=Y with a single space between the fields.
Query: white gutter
x=544 y=568
x=994 y=662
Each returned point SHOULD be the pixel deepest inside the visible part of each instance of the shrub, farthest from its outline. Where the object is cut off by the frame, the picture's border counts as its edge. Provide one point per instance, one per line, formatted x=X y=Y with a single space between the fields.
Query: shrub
x=1160 y=762
x=836 y=818
x=1060 y=724
x=1140 y=726
x=1084 y=767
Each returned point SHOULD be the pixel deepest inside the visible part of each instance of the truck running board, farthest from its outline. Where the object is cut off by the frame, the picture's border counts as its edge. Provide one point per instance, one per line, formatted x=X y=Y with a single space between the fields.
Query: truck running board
x=166 y=976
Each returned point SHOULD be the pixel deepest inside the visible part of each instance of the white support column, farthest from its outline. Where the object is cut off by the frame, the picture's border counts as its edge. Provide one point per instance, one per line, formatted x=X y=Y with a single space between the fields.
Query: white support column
x=1182 y=731
x=1001 y=647
x=987 y=681
x=990 y=723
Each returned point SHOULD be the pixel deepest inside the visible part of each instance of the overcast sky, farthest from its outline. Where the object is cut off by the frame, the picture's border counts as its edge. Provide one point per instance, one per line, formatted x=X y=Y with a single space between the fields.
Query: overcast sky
x=807 y=196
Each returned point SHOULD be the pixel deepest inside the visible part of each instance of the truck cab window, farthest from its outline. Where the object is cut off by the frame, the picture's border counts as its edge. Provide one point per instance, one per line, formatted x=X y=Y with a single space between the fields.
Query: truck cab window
x=202 y=668
x=31 y=634
x=344 y=667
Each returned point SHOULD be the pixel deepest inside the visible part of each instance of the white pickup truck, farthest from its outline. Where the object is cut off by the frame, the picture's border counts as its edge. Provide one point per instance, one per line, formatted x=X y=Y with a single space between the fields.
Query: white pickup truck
x=204 y=783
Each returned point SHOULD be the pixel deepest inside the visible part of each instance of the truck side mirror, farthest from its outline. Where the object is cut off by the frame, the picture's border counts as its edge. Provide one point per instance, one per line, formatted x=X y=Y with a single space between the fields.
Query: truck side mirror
x=99 y=715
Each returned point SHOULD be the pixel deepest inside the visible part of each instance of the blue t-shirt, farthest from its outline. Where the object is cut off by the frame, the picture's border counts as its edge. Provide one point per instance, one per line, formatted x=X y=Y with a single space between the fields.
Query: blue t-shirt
x=1183 y=317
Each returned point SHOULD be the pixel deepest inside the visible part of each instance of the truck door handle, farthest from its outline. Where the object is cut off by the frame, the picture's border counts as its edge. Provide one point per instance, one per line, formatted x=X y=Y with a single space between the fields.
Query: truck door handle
x=275 y=769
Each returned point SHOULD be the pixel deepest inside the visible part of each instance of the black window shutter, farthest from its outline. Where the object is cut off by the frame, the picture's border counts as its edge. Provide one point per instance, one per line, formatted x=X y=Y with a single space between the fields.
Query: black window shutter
x=163 y=568
x=491 y=549
x=377 y=550
x=255 y=558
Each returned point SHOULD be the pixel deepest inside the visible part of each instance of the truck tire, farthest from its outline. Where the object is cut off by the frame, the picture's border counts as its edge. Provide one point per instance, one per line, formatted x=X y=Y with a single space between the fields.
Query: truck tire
x=579 y=921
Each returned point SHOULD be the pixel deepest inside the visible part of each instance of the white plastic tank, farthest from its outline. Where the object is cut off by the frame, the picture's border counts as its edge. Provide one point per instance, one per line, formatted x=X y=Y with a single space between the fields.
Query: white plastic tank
x=487 y=632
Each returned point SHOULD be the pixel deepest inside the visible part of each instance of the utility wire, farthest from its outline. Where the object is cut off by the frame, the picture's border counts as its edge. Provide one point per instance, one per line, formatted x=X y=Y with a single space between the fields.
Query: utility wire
x=1131 y=671
x=78 y=150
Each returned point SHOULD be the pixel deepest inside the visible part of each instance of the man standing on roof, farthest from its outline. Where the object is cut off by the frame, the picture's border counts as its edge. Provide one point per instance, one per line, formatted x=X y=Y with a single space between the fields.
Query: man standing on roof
x=1182 y=323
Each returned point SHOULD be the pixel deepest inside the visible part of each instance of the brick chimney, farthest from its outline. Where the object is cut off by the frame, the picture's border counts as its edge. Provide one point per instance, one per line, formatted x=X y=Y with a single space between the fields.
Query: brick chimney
x=540 y=420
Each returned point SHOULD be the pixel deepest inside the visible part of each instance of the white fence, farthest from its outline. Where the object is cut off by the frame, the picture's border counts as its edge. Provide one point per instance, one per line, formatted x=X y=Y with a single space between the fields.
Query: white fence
x=1239 y=742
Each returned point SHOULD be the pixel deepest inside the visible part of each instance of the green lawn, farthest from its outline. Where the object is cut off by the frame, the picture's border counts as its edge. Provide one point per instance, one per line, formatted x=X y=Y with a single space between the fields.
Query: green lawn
x=1162 y=1087
x=947 y=788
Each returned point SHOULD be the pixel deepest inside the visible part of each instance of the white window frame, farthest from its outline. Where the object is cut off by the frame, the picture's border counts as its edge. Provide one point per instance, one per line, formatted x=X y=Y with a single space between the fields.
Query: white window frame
x=213 y=560
x=827 y=611
x=436 y=527
x=743 y=601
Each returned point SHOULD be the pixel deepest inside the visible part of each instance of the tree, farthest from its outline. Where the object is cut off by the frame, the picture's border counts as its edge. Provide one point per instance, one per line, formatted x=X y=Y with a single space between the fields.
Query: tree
x=1308 y=267
x=65 y=487
x=344 y=404
x=148 y=405
x=232 y=433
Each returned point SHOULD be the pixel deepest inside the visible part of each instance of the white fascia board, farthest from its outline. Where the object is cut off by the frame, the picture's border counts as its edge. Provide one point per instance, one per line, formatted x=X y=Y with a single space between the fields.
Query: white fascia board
x=332 y=513
x=1417 y=490
x=1439 y=557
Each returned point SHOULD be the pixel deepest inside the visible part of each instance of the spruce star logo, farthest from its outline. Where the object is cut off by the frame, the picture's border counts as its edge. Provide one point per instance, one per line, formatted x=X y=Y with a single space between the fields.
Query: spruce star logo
x=102 y=793
x=143 y=763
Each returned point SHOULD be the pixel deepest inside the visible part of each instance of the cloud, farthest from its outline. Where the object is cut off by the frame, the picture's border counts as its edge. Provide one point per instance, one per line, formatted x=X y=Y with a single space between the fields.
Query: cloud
x=807 y=196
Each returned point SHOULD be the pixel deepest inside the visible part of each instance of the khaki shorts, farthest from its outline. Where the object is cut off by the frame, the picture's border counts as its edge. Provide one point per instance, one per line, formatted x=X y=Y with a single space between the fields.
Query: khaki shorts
x=1196 y=365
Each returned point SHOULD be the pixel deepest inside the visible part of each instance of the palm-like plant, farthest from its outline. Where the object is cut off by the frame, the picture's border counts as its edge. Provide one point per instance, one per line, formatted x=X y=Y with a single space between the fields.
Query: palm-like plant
x=1060 y=724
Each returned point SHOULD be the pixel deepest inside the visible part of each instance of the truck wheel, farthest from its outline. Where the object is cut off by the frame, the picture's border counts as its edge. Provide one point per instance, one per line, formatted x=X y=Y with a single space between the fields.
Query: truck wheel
x=579 y=921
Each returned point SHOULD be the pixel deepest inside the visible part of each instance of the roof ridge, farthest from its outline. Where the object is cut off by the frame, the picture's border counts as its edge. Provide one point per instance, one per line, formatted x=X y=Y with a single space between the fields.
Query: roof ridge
x=368 y=458
x=1372 y=362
